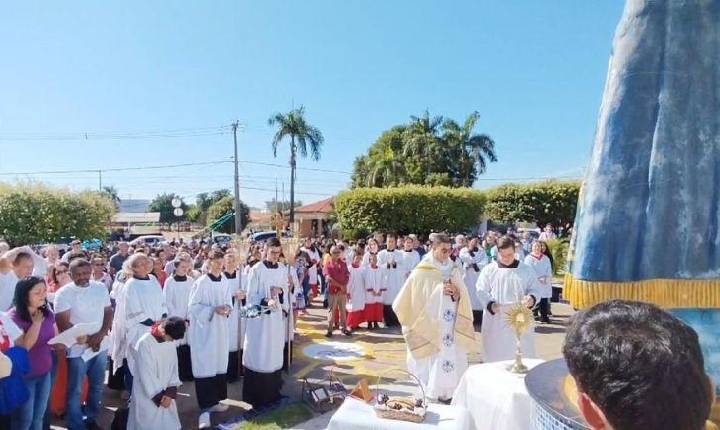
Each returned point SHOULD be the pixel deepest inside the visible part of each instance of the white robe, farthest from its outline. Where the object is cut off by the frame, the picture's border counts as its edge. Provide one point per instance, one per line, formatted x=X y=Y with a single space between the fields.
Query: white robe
x=356 y=289
x=8 y=281
x=118 y=334
x=470 y=276
x=177 y=299
x=157 y=369
x=208 y=331
x=393 y=278
x=234 y=285
x=410 y=260
x=440 y=373
x=506 y=287
x=264 y=339
x=144 y=300
x=543 y=268
x=313 y=271
x=373 y=285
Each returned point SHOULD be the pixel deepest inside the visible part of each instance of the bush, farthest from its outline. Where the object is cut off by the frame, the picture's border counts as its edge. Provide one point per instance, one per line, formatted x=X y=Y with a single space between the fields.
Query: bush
x=223 y=206
x=409 y=209
x=546 y=202
x=33 y=213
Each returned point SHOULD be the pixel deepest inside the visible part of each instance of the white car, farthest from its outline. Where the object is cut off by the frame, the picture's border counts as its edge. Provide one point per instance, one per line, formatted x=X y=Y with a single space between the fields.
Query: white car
x=149 y=240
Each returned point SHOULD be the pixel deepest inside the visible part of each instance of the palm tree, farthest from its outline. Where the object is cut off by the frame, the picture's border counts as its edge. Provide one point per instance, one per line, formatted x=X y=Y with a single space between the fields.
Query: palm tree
x=474 y=150
x=303 y=137
x=112 y=193
x=386 y=169
x=421 y=137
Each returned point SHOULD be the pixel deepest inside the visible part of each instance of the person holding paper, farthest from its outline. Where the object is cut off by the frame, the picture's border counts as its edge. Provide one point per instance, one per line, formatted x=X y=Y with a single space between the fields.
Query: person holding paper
x=155 y=389
x=84 y=301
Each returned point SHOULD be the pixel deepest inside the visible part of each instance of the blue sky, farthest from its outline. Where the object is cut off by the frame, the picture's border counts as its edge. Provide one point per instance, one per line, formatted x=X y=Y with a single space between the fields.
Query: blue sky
x=534 y=70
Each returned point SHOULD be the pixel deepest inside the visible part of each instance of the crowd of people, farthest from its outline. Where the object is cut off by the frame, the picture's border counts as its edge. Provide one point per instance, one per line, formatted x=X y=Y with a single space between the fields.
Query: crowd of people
x=156 y=316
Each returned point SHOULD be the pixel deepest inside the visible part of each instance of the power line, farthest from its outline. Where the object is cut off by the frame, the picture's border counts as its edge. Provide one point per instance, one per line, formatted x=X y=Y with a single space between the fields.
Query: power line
x=118 y=135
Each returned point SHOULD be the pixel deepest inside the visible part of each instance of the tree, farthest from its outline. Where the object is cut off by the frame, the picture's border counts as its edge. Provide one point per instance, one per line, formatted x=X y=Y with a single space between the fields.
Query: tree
x=473 y=151
x=203 y=201
x=303 y=138
x=429 y=150
x=225 y=206
x=33 y=213
x=111 y=193
x=273 y=205
x=163 y=204
x=544 y=202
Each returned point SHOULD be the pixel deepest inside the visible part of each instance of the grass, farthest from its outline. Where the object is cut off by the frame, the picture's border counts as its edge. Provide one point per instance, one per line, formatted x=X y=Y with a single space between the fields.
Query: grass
x=280 y=418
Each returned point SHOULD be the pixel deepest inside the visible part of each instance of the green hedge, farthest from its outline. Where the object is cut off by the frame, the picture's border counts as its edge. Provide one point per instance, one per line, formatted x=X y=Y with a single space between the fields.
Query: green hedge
x=408 y=209
x=34 y=213
x=545 y=202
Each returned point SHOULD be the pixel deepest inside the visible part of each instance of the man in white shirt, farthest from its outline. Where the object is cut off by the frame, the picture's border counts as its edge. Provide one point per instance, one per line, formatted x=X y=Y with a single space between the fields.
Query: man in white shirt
x=84 y=301
x=21 y=266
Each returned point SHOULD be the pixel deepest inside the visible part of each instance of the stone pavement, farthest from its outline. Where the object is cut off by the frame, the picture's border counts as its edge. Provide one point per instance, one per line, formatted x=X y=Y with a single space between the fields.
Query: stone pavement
x=366 y=354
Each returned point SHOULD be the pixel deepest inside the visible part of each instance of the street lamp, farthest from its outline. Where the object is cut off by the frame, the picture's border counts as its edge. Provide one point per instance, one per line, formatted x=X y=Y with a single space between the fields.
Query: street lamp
x=178 y=212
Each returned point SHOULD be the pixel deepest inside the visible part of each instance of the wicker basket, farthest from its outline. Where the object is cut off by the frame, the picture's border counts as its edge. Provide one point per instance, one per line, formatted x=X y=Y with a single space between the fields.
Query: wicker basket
x=408 y=408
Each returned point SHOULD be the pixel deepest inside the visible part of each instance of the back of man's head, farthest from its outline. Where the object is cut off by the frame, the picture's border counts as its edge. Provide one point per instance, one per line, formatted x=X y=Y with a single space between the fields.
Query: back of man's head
x=639 y=365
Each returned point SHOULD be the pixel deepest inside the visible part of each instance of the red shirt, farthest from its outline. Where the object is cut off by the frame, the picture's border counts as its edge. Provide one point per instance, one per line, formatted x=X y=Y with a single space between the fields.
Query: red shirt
x=339 y=272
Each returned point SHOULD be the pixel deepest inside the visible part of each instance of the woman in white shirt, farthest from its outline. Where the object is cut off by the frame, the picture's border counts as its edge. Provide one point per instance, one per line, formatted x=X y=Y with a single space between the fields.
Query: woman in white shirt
x=541 y=263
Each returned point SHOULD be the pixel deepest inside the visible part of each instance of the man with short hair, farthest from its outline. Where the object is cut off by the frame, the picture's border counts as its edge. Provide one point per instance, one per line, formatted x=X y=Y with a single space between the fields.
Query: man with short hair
x=21 y=266
x=637 y=367
x=117 y=260
x=337 y=276
x=75 y=251
x=503 y=284
x=84 y=301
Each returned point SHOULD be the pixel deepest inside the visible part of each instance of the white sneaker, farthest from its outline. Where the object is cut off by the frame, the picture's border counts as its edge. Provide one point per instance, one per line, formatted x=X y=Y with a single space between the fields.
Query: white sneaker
x=204 y=421
x=220 y=407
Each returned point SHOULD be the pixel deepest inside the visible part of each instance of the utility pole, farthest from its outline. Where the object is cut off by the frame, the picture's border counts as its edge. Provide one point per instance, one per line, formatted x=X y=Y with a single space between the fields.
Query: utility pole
x=99 y=180
x=236 y=202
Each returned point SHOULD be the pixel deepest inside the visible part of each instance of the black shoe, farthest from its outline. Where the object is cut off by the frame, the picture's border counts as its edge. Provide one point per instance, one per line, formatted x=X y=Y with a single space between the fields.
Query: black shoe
x=328 y=334
x=545 y=320
x=347 y=332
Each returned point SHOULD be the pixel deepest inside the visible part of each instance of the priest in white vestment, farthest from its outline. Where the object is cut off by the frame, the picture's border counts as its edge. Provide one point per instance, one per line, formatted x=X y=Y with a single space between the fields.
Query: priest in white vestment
x=209 y=309
x=154 y=392
x=503 y=284
x=267 y=286
x=434 y=310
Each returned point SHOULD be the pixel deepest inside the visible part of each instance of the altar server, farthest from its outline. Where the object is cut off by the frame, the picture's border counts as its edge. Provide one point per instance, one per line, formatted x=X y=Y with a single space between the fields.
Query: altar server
x=154 y=392
x=210 y=306
x=144 y=303
x=177 y=297
x=232 y=274
x=373 y=292
x=390 y=261
x=473 y=260
x=502 y=284
x=434 y=310
x=411 y=258
x=315 y=261
x=355 y=305
x=264 y=338
x=541 y=263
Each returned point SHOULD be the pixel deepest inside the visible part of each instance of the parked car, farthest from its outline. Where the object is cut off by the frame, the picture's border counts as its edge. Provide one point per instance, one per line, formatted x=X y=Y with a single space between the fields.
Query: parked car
x=262 y=236
x=221 y=238
x=149 y=240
